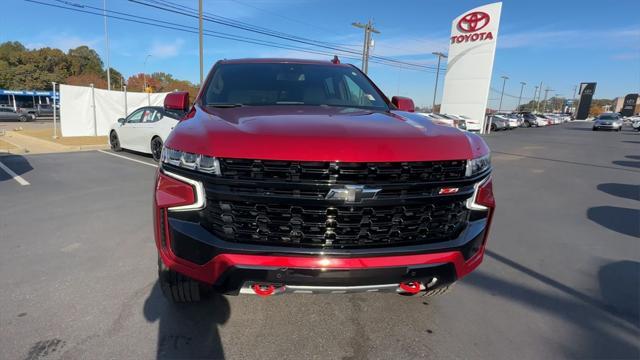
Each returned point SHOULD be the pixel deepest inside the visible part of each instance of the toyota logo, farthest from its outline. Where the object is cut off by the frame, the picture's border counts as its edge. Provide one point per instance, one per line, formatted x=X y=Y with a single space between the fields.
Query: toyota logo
x=473 y=21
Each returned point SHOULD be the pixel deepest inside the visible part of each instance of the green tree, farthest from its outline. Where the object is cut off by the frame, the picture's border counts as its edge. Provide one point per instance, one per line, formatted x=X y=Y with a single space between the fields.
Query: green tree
x=84 y=60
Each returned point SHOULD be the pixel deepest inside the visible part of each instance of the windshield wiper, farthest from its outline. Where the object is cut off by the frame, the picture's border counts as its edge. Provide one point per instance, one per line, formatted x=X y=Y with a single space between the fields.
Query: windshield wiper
x=224 y=105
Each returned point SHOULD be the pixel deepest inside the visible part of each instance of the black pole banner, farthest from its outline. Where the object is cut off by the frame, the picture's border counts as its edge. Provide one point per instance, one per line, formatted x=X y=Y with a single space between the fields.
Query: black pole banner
x=629 y=105
x=584 y=104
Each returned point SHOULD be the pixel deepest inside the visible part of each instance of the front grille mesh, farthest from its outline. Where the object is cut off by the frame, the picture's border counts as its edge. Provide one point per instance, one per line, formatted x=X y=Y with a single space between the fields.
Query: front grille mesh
x=282 y=203
x=336 y=226
x=343 y=172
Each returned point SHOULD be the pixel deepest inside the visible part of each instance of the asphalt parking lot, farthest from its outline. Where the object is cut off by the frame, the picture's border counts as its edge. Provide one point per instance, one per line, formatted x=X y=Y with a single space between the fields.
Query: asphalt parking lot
x=561 y=278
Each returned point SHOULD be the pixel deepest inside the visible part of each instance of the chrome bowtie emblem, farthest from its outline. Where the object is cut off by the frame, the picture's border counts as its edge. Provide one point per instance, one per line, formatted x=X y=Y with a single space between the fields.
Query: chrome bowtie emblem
x=352 y=193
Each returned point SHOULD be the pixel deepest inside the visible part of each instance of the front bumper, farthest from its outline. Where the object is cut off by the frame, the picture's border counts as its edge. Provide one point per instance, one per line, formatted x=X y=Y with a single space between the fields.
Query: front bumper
x=230 y=267
x=608 y=127
x=187 y=245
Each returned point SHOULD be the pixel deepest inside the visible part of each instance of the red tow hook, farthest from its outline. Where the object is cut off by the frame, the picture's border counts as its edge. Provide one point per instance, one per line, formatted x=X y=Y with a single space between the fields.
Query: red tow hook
x=412 y=287
x=263 y=290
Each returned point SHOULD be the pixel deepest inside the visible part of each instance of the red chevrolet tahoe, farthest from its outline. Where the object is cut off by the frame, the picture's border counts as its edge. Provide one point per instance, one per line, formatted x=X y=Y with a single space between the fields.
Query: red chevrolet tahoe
x=298 y=176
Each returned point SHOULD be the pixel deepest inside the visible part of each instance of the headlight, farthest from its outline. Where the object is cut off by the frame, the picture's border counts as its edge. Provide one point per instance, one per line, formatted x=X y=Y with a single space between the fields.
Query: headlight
x=478 y=165
x=202 y=163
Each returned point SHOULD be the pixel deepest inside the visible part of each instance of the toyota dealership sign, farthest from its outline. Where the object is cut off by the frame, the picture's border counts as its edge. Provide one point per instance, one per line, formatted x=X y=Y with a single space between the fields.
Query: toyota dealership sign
x=472 y=48
x=470 y=25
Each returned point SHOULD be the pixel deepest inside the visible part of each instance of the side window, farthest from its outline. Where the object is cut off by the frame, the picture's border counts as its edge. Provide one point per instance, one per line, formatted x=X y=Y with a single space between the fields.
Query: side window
x=151 y=116
x=136 y=117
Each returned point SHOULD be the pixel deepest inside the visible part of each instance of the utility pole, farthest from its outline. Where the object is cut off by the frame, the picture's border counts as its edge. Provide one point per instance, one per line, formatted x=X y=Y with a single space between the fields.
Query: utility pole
x=144 y=76
x=368 y=29
x=521 y=89
x=539 y=94
x=435 y=89
x=544 y=105
x=504 y=81
x=200 y=39
x=106 y=40
x=535 y=93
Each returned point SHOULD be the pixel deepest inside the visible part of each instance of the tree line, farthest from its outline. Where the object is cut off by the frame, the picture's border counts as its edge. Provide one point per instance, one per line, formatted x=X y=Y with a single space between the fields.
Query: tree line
x=35 y=69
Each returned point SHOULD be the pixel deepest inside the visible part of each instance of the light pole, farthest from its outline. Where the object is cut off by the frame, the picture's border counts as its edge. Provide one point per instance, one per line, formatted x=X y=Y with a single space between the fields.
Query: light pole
x=435 y=89
x=368 y=29
x=106 y=40
x=539 y=95
x=573 y=99
x=53 y=97
x=504 y=81
x=200 y=40
x=535 y=93
x=520 y=97
x=144 y=76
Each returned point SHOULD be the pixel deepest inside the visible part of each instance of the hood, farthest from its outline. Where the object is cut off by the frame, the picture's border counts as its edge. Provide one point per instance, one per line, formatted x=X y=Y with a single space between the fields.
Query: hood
x=321 y=133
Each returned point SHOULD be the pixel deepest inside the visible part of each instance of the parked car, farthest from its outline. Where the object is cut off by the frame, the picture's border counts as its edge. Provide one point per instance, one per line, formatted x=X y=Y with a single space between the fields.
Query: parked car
x=512 y=120
x=299 y=176
x=447 y=120
x=8 y=113
x=498 y=123
x=471 y=124
x=530 y=120
x=144 y=130
x=635 y=123
x=607 y=121
x=44 y=110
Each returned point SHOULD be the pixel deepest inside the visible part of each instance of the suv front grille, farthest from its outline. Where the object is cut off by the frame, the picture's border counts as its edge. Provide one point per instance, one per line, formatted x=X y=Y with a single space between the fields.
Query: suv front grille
x=282 y=203
x=344 y=226
x=343 y=172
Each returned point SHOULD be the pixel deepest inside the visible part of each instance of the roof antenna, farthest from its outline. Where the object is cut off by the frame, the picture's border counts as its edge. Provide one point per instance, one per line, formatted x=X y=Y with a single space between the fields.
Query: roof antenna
x=335 y=60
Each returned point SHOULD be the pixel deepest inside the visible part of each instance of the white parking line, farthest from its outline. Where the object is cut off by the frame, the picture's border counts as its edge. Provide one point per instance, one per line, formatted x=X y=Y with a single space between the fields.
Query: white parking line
x=128 y=158
x=15 y=176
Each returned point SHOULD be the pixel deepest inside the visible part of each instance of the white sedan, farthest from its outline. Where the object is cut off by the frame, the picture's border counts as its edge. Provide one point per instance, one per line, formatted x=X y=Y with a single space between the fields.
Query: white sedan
x=144 y=130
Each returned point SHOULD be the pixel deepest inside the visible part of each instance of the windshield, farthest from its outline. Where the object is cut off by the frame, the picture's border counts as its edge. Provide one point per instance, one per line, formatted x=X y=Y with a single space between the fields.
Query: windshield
x=260 y=84
x=607 y=117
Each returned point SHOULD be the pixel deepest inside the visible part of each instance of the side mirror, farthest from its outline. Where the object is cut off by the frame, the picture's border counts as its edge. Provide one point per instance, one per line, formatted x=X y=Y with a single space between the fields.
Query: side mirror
x=177 y=101
x=121 y=121
x=403 y=103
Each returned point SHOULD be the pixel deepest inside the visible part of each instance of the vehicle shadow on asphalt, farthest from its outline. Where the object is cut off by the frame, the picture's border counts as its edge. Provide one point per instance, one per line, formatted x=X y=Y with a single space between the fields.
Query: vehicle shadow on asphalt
x=17 y=163
x=618 y=219
x=598 y=332
x=187 y=331
x=626 y=191
x=633 y=164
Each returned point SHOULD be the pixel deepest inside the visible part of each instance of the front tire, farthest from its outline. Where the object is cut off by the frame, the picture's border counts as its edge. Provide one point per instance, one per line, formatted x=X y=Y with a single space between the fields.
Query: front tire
x=493 y=127
x=114 y=141
x=156 y=148
x=176 y=287
x=594 y=129
x=22 y=118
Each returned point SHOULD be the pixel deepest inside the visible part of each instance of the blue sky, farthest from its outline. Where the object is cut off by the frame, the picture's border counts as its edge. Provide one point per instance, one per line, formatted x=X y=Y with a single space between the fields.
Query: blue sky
x=560 y=43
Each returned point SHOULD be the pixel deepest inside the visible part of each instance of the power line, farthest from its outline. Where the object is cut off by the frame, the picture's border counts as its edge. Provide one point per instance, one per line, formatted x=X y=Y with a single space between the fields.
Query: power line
x=263 y=31
x=194 y=30
x=316 y=26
